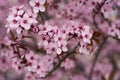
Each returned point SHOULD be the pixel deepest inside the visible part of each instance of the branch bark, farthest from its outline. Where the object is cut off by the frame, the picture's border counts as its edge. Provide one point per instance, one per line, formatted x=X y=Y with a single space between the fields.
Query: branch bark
x=96 y=57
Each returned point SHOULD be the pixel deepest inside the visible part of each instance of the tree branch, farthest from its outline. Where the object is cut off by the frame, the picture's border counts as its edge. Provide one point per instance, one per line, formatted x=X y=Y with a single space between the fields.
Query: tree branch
x=63 y=59
x=96 y=57
x=96 y=11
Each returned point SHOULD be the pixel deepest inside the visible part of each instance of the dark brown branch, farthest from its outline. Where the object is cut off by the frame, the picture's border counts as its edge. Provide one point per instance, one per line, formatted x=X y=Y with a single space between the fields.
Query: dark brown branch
x=116 y=38
x=43 y=16
x=96 y=25
x=114 y=58
x=63 y=59
x=96 y=57
x=96 y=11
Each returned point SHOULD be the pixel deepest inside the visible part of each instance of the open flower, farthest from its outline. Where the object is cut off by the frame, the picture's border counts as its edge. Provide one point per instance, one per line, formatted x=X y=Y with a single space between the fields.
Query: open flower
x=38 y=5
x=24 y=22
x=86 y=34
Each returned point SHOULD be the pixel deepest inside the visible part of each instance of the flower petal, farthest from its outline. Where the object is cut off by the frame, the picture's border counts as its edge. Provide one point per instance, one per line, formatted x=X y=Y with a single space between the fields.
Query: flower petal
x=42 y=2
x=42 y=8
x=36 y=10
x=32 y=3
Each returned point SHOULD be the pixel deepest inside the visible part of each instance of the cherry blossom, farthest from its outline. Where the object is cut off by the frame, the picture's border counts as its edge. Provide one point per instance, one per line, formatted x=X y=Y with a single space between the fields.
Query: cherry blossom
x=38 y=5
x=112 y=31
x=68 y=64
x=20 y=19
x=14 y=17
x=86 y=34
x=60 y=39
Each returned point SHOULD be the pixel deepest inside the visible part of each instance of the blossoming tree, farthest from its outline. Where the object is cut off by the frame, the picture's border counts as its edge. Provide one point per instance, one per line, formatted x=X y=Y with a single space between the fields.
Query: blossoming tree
x=60 y=40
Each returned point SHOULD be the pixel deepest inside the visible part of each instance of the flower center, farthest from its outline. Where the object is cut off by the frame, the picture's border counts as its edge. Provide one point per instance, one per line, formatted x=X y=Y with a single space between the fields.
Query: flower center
x=37 y=4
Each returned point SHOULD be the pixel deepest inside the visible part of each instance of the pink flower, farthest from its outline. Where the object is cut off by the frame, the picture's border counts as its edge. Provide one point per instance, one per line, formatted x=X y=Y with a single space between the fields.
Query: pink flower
x=61 y=41
x=44 y=29
x=118 y=2
x=14 y=24
x=32 y=16
x=83 y=49
x=24 y=22
x=30 y=76
x=19 y=19
x=52 y=48
x=14 y=19
x=16 y=65
x=38 y=5
x=86 y=34
x=59 y=51
x=15 y=16
x=68 y=64
x=28 y=19
x=58 y=38
x=118 y=33
x=112 y=31
x=19 y=10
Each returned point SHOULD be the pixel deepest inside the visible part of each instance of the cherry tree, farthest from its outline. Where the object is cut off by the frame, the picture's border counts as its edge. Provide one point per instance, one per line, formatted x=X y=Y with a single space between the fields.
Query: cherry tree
x=60 y=40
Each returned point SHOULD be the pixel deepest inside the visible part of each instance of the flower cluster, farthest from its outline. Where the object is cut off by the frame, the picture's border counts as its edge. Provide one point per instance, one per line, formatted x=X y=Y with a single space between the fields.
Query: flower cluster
x=68 y=64
x=114 y=30
x=20 y=19
x=55 y=40
x=74 y=9
x=38 y=64
x=48 y=34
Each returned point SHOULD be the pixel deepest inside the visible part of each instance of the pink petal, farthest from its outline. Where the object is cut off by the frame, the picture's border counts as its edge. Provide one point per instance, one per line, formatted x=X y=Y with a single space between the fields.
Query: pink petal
x=64 y=49
x=36 y=10
x=32 y=3
x=42 y=8
x=27 y=27
x=18 y=30
x=42 y=2
x=59 y=51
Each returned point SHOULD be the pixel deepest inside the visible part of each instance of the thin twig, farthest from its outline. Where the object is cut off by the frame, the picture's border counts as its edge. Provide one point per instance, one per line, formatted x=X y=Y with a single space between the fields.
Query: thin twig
x=96 y=11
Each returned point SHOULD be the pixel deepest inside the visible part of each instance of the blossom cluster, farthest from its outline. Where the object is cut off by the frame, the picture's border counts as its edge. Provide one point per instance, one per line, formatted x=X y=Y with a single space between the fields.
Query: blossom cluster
x=34 y=63
x=62 y=33
x=55 y=39
x=20 y=19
